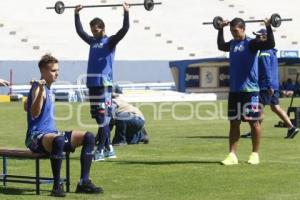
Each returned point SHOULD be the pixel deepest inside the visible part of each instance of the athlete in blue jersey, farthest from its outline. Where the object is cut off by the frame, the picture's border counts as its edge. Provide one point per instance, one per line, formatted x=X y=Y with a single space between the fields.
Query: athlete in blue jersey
x=269 y=84
x=100 y=76
x=43 y=137
x=243 y=100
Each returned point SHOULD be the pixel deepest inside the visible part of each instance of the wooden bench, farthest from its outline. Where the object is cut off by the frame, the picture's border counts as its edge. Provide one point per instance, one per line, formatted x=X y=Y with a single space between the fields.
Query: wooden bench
x=37 y=179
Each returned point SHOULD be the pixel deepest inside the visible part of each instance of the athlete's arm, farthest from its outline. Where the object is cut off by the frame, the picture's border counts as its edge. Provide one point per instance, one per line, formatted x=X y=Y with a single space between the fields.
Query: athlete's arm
x=38 y=96
x=256 y=45
x=25 y=105
x=115 y=39
x=79 y=29
x=222 y=45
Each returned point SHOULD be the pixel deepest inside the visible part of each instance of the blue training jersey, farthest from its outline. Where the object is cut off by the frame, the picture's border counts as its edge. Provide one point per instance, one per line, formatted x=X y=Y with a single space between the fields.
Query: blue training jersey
x=44 y=123
x=102 y=53
x=268 y=70
x=100 y=63
x=243 y=68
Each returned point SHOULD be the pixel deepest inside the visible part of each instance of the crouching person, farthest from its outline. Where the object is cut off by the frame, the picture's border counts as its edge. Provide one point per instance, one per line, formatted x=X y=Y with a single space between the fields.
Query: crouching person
x=129 y=123
x=43 y=137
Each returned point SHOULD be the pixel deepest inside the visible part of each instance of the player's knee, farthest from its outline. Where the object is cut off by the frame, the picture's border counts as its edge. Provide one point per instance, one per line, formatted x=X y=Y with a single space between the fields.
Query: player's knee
x=102 y=120
x=98 y=110
x=89 y=139
x=58 y=141
x=255 y=124
x=274 y=108
x=57 y=147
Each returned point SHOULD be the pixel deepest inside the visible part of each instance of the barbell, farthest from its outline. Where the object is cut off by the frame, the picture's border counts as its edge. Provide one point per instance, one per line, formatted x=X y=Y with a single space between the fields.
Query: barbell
x=60 y=7
x=275 y=21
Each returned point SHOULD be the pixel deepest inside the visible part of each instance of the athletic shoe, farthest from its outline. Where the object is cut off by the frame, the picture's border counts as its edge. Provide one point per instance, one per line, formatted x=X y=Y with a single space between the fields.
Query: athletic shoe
x=110 y=154
x=145 y=140
x=88 y=187
x=292 y=132
x=98 y=156
x=231 y=159
x=253 y=158
x=58 y=192
x=246 y=135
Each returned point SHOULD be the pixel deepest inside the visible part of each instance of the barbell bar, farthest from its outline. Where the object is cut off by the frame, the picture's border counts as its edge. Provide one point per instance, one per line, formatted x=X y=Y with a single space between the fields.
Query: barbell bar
x=275 y=21
x=60 y=7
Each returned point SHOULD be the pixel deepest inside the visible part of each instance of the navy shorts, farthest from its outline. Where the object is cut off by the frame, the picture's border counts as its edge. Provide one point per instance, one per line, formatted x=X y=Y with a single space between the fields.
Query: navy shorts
x=243 y=106
x=100 y=101
x=266 y=99
x=34 y=141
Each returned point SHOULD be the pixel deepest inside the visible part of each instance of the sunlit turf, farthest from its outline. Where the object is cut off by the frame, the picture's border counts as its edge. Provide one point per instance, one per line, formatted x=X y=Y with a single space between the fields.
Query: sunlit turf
x=187 y=141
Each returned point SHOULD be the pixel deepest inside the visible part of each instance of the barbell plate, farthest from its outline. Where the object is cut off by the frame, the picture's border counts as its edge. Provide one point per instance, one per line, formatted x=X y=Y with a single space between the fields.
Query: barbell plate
x=276 y=20
x=149 y=5
x=59 y=7
x=217 y=22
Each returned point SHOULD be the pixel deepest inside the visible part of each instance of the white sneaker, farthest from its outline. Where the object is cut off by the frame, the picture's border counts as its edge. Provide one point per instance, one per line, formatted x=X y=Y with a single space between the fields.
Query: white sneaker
x=110 y=154
x=254 y=158
x=230 y=159
x=98 y=156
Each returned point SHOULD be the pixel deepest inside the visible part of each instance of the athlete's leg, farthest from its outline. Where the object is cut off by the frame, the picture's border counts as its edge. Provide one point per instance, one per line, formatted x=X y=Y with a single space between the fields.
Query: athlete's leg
x=282 y=115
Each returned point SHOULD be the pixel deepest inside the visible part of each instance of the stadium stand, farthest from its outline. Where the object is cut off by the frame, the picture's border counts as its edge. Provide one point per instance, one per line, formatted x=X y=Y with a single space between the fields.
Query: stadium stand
x=171 y=31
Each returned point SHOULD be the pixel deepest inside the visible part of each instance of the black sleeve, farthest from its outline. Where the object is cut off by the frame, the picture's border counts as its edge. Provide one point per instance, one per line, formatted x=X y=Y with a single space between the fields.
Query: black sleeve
x=80 y=30
x=256 y=45
x=222 y=45
x=115 y=39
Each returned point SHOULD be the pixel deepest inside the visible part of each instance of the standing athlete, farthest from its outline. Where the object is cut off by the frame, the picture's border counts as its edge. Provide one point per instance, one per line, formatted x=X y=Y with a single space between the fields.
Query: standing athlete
x=100 y=75
x=243 y=101
x=269 y=84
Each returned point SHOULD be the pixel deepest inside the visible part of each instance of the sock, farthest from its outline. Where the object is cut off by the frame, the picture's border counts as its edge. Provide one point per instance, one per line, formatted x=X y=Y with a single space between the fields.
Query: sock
x=86 y=155
x=111 y=149
x=56 y=157
x=107 y=141
x=101 y=136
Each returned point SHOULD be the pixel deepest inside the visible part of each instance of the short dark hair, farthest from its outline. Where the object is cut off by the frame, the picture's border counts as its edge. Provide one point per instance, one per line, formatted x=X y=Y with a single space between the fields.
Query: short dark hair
x=238 y=22
x=97 y=22
x=47 y=59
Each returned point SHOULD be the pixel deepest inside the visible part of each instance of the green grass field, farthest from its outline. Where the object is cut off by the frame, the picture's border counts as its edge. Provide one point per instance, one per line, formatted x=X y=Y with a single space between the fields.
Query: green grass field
x=181 y=161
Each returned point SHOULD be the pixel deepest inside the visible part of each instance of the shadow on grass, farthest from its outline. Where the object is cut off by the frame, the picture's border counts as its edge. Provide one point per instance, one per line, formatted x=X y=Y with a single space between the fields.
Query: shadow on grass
x=204 y=137
x=166 y=162
x=24 y=191
x=18 y=191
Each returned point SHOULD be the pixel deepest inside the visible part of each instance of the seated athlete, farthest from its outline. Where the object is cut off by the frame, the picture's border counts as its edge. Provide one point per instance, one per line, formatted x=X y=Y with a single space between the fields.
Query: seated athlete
x=43 y=137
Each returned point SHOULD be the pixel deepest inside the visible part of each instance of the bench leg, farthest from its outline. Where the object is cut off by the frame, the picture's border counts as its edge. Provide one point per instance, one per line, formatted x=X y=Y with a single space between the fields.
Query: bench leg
x=37 y=175
x=4 y=170
x=68 y=172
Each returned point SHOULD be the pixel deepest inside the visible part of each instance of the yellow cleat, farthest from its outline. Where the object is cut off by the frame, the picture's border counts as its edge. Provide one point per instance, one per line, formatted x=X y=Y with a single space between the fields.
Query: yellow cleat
x=231 y=159
x=253 y=158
